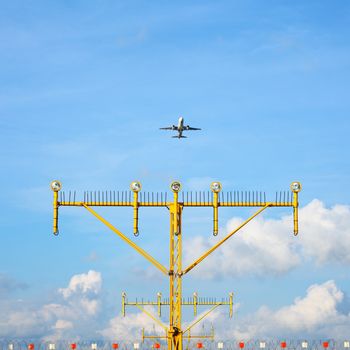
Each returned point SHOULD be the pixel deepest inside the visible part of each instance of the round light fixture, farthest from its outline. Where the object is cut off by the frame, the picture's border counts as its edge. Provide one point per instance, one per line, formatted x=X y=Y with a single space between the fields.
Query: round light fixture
x=175 y=186
x=135 y=186
x=216 y=186
x=55 y=185
x=295 y=186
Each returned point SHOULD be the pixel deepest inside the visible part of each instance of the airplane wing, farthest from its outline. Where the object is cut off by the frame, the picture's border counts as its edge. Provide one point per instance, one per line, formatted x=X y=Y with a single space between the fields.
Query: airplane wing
x=174 y=127
x=187 y=127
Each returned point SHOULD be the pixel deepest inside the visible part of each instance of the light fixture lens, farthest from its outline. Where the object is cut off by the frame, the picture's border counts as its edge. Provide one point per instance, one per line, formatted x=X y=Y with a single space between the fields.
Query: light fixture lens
x=304 y=344
x=55 y=185
x=295 y=186
x=220 y=345
x=136 y=345
x=215 y=186
x=93 y=346
x=135 y=186
x=347 y=344
x=175 y=186
x=262 y=345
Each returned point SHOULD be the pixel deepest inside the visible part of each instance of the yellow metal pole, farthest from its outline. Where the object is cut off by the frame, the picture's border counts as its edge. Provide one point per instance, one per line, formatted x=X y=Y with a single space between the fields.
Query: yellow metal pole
x=295 y=213
x=171 y=279
x=178 y=280
x=136 y=213
x=175 y=332
x=216 y=213
x=231 y=304
x=195 y=301
x=123 y=303
x=55 y=213
x=159 y=304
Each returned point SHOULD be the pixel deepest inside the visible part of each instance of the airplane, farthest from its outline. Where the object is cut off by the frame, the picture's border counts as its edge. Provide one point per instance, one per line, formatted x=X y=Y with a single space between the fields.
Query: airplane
x=180 y=128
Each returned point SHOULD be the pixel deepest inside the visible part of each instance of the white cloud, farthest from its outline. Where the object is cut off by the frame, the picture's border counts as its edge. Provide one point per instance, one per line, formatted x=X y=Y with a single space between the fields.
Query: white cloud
x=326 y=232
x=268 y=245
x=70 y=316
x=130 y=326
x=84 y=283
x=317 y=315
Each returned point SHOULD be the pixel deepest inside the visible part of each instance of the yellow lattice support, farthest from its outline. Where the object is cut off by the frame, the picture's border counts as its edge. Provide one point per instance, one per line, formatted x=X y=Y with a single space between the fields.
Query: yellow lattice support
x=174 y=334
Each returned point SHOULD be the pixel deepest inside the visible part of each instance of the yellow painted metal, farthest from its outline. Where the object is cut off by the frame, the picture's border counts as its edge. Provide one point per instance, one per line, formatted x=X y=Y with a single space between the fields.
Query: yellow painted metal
x=231 y=304
x=55 y=213
x=174 y=333
x=123 y=303
x=159 y=304
x=201 y=318
x=136 y=214
x=216 y=213
x=185 y=302
x=175 y=276
x=195 y=303
x=127 y=240
x=217 y=245
x=160 y=323
x=167 y=204
x=295 y=212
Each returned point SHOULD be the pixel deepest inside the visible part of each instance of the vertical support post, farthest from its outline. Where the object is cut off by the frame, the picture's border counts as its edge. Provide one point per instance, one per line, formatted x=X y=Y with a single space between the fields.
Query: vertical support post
x=175 y=275
x=55 y=213
x=216 y=213
x=136 y=213
x=195 y=302
x=171 y=280
x=159 y=303
x=231 y=304
x=178 y=282
x=123 y=303
x=295 y=212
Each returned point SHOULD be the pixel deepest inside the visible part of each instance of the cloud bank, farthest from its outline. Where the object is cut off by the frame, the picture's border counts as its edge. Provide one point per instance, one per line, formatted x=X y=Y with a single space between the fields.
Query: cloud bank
x=318 y=314
x=268 y=245
x=74 y=312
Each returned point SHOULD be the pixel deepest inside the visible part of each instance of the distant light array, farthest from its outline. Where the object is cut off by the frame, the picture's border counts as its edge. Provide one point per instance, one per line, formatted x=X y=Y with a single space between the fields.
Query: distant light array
x=325 y=345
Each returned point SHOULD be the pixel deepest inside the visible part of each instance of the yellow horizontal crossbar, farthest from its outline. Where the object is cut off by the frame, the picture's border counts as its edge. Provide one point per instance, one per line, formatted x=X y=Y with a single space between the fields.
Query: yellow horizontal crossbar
x=184 y=204
x=190 y=303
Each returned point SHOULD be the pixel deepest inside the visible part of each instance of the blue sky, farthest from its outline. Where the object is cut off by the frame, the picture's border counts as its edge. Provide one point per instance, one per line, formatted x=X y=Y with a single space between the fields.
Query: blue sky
x=84 y=88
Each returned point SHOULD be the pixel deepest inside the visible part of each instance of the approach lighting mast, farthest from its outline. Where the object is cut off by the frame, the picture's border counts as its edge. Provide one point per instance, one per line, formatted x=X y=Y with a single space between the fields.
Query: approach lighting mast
x=173 y=332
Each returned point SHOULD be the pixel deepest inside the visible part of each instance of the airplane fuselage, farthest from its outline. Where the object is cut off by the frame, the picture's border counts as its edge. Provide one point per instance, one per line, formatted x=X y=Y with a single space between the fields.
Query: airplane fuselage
x=180 y=126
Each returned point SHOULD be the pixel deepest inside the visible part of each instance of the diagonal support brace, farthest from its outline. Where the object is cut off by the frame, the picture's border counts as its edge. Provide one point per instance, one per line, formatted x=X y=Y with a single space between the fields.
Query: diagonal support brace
x=217 y=245
x=157 y=264
x=201 y=318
